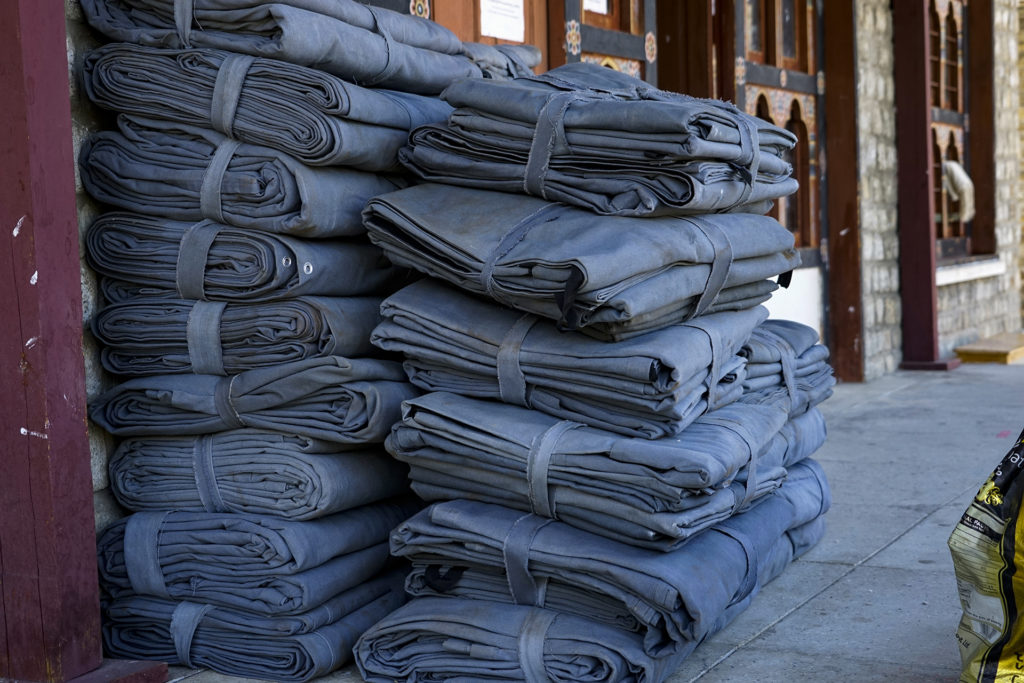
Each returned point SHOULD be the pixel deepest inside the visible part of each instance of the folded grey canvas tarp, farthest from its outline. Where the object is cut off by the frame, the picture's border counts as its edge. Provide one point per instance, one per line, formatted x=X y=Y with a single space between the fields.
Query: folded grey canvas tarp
x=610 y=277
x=649 y=386
x=341 y=400
x=433 y=638
x=798 y=439
x=246 y=644
x=189 y=173
x=603 y=140
x=478 y=582
x=315 y=117
x=209 y=261
x=251 y=471
x=785 y=356
x=651 y=493
x=442 y=639
x=362 y=44
x=673 y=598
x=251 y=562
x=152 y=336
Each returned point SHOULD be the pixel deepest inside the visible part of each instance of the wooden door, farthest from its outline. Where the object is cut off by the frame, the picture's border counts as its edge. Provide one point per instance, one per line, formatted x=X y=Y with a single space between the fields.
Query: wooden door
x=776 y=75
x=763 y=55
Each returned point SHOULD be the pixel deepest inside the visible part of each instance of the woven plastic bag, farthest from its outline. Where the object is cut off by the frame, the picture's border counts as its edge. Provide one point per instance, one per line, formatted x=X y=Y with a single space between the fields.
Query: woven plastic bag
x=988 y=550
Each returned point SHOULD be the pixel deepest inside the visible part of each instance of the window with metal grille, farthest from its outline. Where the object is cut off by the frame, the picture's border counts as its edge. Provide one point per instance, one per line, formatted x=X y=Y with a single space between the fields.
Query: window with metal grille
x=946 y=23
x=782 y=86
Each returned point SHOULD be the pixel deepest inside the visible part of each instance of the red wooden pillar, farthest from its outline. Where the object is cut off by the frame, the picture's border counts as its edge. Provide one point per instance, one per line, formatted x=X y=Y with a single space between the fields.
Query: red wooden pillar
x=49 y=628
x=916 y=213
x=49 y=603
x=845 y=311
x=982 y=135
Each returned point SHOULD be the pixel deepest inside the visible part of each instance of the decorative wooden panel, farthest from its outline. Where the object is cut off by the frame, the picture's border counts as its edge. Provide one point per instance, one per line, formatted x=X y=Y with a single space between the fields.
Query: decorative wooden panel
x=948 y=121
x=633 y=67
x=774 y=75
x=622 y=37
x=420 y=8
x=798 y=113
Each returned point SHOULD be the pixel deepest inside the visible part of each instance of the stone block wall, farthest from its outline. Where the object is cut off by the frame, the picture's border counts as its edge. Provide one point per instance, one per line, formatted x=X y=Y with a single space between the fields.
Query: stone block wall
x=876 y=151
x=981 y=308
x=1020 y=127
x=968 y=310
x=84 y=119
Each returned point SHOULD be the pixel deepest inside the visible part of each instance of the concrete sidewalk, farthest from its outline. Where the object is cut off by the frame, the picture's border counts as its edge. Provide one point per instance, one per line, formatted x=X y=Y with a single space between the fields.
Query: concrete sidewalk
x=876 y=600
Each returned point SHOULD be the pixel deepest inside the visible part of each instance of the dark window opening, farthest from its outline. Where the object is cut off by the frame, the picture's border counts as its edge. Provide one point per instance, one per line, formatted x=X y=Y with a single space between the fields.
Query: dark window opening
x=935 y=56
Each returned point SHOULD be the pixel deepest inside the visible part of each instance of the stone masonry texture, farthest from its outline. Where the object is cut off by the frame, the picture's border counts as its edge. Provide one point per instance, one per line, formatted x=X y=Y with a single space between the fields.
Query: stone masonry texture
x=981 y=308
x=1020 y=127
x=969 y=310
x=876 y=143
x=84 y=119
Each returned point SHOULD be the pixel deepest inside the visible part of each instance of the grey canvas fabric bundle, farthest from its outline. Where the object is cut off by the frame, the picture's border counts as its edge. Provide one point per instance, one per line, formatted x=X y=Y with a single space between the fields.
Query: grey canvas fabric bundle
x=434 y=638
x=649 y=386
x=189 y=173
x=362 y=44
x=250 y=562
x=798 y=439
x=784 y=356
x=672 y=598
x=315 y=117
x=443 y=638
x=344 y=401
x=649 y=493
x=209 y=261
x=250 y=471
x=434 y=578
x=151 y=336
x=246 y=644
x=568 y=265
x=603 y=140
x=449 y=639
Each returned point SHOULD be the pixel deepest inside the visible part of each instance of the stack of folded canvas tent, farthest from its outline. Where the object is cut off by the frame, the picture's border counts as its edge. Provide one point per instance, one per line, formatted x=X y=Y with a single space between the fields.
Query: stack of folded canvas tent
x=241 y=295
x=616 y=440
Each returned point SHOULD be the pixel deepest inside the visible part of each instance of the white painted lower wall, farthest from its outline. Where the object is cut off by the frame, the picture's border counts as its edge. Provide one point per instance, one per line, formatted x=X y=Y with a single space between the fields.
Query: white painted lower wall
x=803 y=301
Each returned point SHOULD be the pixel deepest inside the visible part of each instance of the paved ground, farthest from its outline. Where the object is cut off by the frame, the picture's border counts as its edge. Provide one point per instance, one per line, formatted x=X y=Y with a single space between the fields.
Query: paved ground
x=876 y=599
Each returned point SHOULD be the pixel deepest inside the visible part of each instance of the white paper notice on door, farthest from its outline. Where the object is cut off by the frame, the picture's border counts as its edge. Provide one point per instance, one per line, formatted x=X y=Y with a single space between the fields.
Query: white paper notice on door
x=503 y=19
x=599 y=6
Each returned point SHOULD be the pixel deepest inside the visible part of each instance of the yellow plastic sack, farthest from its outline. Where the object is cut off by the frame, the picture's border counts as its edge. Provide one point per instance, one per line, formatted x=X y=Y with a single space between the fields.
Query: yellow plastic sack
x=988 y=552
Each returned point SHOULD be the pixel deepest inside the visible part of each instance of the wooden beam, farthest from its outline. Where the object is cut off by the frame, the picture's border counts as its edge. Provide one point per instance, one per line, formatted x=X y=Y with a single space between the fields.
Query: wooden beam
x=727 y=30
x=49 y=595
x=1007 y=347
x=48 y=584
x=916 y=222
x=557 y=55
x=845 y=324
x=982 y=132
x=652 y=69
